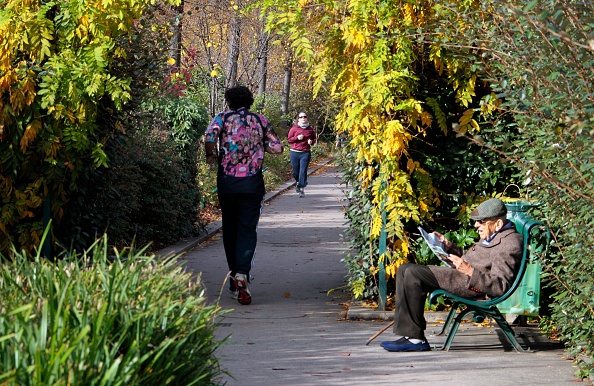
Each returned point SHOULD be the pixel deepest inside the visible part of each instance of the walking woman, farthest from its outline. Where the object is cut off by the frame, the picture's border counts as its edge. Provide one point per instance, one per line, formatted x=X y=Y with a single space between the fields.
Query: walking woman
x=301 y=138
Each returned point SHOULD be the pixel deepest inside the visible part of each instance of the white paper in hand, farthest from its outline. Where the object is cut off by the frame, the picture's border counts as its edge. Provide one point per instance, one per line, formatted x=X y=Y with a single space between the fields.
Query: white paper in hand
x=436 y=246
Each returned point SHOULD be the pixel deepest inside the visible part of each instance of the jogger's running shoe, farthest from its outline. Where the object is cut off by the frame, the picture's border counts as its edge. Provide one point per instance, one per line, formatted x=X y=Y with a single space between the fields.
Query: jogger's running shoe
x=244 y=295
x=234 y=293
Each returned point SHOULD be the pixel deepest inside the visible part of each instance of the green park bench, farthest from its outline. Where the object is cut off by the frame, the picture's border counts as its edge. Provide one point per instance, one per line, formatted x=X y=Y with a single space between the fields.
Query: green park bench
x=522 y=298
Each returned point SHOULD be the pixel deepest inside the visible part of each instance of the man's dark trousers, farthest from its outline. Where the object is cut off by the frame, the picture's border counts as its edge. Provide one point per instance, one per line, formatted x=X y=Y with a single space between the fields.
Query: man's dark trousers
x=240 y=215
x=413 y=283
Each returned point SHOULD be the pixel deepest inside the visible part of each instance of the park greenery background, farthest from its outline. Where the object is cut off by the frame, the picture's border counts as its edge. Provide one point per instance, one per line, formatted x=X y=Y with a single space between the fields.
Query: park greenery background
x=438 y=104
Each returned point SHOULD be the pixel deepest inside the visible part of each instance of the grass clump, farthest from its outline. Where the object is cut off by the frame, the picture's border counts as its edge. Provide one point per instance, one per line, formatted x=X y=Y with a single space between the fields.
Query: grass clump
x=98 y=319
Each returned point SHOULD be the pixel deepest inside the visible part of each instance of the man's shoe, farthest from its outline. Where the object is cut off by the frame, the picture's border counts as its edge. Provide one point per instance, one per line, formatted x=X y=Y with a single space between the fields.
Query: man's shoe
x=297 y=189
x=404 y=345
x=301 y=193
x=403 y=339
x=244 y=296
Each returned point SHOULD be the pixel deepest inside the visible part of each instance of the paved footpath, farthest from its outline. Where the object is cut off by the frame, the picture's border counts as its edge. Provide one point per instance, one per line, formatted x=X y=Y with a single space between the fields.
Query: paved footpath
x=299 y=329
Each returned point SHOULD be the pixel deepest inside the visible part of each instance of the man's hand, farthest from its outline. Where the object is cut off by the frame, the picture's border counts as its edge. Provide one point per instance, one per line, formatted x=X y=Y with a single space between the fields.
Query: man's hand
x=446 y=243
x=461 y=265
x=300 y=137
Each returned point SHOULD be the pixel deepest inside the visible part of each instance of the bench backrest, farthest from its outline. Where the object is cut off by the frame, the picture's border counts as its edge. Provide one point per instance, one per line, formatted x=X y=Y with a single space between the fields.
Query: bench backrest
x=532 y=232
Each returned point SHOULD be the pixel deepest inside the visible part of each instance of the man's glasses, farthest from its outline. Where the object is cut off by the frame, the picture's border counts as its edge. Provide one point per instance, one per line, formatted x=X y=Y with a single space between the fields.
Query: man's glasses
x=303 y=116
x=483 y=221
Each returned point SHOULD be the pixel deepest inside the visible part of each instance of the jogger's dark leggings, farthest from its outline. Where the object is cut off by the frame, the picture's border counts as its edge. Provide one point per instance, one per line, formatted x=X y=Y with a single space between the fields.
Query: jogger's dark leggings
x=240 y=215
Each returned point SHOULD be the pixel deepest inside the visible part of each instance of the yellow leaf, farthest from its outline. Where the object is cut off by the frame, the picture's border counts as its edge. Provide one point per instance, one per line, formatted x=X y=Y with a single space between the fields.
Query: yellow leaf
x=402 y=246
x=410 y=165
x=26 y=213
x=376 y=226
x=120 y=52
x=391 y=270
x=30 y=134
x=426 y=118
x=466 y=117
x=423 y=206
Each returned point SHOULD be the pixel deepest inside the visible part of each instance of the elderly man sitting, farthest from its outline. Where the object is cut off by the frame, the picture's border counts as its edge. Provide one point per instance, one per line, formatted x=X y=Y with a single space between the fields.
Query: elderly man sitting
x=486 y=270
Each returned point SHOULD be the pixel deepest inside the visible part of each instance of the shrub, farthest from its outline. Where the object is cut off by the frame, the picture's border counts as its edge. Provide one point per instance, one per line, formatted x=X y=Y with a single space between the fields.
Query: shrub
x=92 y=319
x=54 y=88
x=147 y=194
x=360 y=259
x=545 y=86
x=149 y=191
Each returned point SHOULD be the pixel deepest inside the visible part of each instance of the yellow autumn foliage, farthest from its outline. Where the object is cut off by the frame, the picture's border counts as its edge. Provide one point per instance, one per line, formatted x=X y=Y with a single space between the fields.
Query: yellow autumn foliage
x=55 y=63
x=369 y=57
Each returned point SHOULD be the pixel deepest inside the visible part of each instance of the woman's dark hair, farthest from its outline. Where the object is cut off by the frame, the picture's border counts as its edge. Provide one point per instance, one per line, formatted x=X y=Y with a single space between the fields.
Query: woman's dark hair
x=237 y=97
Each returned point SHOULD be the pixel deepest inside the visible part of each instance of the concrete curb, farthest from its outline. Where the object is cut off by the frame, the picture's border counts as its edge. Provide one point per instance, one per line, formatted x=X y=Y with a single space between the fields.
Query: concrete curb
x=363 y=313
x=185 y=245
x=356 y=312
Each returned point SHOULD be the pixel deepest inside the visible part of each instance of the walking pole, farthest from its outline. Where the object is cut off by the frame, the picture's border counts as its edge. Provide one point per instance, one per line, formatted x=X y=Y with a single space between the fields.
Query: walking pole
x=379 y=333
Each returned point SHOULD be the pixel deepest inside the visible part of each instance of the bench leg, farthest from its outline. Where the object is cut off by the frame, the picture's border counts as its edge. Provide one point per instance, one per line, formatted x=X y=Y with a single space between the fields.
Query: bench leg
x=507 y=331
x=450 y=317
x=454 y=329
x=496 y=315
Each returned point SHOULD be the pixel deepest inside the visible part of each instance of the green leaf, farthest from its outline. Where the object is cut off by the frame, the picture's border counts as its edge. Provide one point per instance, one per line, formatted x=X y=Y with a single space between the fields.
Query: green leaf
x=530 y=6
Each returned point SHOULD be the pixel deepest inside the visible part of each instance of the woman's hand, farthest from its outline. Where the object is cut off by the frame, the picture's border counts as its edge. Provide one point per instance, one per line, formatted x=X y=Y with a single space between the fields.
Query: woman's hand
x=211 y=159
x=276 y=148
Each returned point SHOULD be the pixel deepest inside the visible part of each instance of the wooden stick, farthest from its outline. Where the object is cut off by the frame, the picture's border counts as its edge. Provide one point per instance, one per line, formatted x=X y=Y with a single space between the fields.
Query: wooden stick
x=379 y=333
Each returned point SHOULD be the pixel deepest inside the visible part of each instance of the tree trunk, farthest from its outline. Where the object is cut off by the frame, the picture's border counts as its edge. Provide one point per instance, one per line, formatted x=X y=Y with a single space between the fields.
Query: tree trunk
x=263 y=74
x=263 y=69
x=175 y=43
x=214 y=97
x=262 y=83
x=285 y=123
x=233 y=51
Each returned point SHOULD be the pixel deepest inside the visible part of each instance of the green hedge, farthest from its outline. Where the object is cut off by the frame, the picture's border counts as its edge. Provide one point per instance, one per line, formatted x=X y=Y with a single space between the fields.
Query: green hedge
x=104 y=320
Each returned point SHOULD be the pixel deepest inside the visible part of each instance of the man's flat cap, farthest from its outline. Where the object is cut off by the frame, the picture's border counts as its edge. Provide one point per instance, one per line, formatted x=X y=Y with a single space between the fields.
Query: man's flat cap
x=491 y=208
